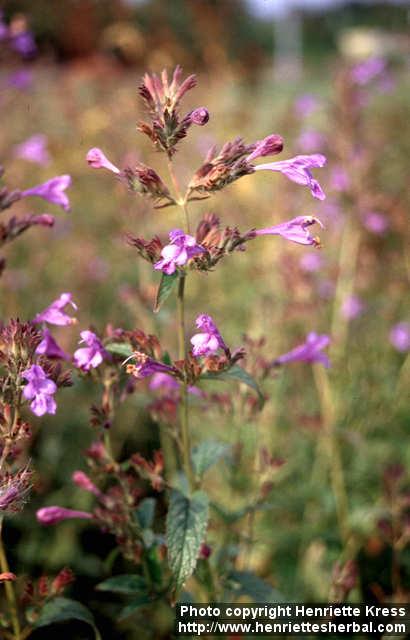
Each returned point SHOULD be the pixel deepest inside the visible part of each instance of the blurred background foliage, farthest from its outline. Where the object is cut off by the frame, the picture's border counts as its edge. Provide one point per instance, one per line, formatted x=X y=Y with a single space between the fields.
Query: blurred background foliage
x=83 y=94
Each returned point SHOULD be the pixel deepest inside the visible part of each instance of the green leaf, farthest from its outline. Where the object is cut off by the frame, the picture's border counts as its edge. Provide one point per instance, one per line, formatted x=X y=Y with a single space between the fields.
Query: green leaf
x=239 y=374
x=63 y=609
x=206 y=454
x=165 y=287
x=119 y=349
x=126 y=583
x=186 y=527
x=246 y=583
x=134 y=605
x=145 y=512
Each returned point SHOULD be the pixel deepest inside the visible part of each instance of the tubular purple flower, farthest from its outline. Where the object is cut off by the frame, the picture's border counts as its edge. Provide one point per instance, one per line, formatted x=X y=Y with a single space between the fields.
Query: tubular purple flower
x=295 y=230
x=49 y=347
x=199 y=116
x=92 y=355
x=54 y=515
x=146 y=366
x=176 y=254
x=167 y=383
x=309 y=351
x=39 y=390
x=54 y=313
x=98 y=160
x=52 y=191
x=83 y=481
x=297 y=170
x=209 y=340
x=269 y=146
x=33 y=149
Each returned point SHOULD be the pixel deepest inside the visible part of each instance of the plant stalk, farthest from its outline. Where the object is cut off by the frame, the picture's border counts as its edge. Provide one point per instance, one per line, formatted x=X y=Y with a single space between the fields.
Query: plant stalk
x=9 y=588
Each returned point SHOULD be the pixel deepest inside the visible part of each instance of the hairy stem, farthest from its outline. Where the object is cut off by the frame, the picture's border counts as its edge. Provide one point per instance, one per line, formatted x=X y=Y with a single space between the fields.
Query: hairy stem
x=10 y=594
x=185 y=439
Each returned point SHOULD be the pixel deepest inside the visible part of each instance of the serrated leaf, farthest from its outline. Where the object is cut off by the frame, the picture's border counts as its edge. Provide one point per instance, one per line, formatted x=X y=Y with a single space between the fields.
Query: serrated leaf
x=166 y=285
x=134 y=605
x=144 y=514
x=119 y=349
x=246 y=583
x=239 y=374
x=63 y=609
x=126 y=583
x=206 y=454
x=186 y=527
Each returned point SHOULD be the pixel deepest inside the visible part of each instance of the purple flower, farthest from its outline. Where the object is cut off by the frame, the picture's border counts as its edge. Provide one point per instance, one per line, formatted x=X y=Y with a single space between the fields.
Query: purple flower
x=366 y=71
x=209 y=340
x=54 y=515
x=54 y=313
x=92 y=355
x=181 y=249
x=23 y=42
x=297 y=170
x=33 y=149
x=352 y=307
x=400 y=336
x=311 y=262
x=305 y=105
x=339 y=179
x=49 y=347
x=146 y=366
x=21 y=79
x=98 y=160
x=52 y=191
x=39 y=390
x=295 y=230
x=309 y=351
x=310 y=140
x=167 y=383
x=269 y=146
x=83 y=481
x=199 y=116
x=376 y=222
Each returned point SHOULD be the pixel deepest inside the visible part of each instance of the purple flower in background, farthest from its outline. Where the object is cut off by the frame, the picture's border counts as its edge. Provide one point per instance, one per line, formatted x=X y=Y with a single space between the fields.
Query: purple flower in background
x=339 y=179
x=209 y=340
x=24 y=44
x=163 y=381
x=181 y=249
x=92 y=355
x=297 y=169
x=366 y=71
x=33 y=149
x=309 y=351
x=305 y=105
x=39 y=390
x=352 y=307
x=375 y=222
x=146 y=366
x=311 y=262
x=21 y=79
x=54 y=515
x=49 y=347
x=54 y=313
x=295 y=230
x=53 y=191
x=400 y=336
x=310 y=140
x=269 y=146
x=98 y=160
x=199 y=116
x=4 y=30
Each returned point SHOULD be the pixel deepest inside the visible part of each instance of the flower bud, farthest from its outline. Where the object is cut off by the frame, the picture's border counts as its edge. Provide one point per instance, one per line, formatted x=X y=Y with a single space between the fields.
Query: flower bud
x=83 y=481
x=199 y=116
x=53 y=515
x=98 y=160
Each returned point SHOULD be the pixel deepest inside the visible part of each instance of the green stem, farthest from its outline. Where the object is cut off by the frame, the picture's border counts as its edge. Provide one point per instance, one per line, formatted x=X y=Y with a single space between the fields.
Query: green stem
x=10 y=594
x=329 y=412
x=185 y=439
